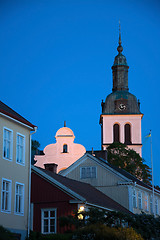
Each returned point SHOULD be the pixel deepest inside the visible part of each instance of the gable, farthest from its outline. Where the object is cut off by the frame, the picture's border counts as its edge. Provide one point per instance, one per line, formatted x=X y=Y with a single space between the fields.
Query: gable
x=105 y=175
x=44 y=191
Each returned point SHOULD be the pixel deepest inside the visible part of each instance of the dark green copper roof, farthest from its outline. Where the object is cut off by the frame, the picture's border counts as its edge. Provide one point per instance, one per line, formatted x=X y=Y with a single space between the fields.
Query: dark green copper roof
x=120 y=60
x=125 y=97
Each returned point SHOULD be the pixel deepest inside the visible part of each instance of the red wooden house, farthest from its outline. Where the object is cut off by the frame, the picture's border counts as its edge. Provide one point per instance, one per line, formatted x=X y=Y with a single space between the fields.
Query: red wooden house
x=53 y=196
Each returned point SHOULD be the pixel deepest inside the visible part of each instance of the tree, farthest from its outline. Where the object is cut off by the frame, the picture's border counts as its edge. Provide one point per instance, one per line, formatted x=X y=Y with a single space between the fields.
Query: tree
x=34 y=150
x=123 y=157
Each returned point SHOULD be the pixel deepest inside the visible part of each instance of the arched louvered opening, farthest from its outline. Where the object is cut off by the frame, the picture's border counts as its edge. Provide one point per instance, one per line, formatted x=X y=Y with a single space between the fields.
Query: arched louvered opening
x=116 y=135
x=127 y=132
x=65 y=148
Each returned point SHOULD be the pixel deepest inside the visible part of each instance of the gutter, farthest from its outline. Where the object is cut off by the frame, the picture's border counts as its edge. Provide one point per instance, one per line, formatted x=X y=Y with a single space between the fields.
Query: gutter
x=29 y=182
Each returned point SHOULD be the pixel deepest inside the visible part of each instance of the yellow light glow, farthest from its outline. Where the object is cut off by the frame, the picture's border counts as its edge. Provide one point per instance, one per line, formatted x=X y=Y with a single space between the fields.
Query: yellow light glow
x=81 y=209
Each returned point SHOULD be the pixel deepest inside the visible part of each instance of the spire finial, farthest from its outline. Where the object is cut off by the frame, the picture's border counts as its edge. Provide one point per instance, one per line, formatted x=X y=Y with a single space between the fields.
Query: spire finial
x=64 y=123
x=120 y=48
x=120 y=33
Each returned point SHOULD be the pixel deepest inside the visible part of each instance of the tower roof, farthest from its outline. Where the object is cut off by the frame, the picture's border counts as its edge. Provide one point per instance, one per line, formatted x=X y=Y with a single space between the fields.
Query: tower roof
x=120 y=101
x=64 y=132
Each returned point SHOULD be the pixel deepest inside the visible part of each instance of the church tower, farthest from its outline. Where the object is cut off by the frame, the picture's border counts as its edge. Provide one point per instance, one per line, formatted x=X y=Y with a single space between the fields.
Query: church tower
x=121 y=116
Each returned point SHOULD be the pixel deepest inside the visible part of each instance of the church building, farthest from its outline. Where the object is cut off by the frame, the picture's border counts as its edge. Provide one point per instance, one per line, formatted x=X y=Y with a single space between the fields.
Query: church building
x=121 y=116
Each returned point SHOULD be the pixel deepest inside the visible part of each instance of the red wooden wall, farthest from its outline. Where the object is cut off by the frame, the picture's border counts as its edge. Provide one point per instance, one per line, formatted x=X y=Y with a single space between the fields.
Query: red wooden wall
x=47 y=195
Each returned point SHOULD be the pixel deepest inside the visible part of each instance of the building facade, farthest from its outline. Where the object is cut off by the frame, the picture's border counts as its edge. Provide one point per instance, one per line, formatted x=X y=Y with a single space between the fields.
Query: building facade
x=54 y=196
x=121 y=116
x=116 y=183
x=15 y=150
x=63 y=153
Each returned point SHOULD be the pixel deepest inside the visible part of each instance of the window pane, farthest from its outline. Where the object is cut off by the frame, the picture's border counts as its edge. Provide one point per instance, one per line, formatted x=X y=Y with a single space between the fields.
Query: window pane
x=116 y=133
x=3 y=201
x=45 y=214
x=52 y=229
x=52 y=213
x=45 y=228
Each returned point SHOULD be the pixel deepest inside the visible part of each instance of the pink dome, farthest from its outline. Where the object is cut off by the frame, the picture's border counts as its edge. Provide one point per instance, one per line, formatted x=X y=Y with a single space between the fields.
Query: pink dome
x=64 y=131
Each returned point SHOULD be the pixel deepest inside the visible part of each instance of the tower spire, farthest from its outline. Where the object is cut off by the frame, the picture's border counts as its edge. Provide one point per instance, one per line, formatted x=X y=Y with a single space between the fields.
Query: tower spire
x=120 y=48
x=120 y=33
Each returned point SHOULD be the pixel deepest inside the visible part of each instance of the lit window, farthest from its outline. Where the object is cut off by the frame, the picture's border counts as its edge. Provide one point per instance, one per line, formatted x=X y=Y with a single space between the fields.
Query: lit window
x=6 y=195
x=146 y=202
x=19 y=198
x=140 y=200
x=88 y=172
x=156 y=206
x=65 y=148
x=80 y=211
x=7 y=143
x=134 y=197
x=48 y=221
x=20 y=148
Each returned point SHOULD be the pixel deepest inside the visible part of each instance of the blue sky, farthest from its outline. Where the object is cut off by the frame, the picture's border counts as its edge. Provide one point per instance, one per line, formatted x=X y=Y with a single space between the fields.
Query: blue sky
x=56 y=58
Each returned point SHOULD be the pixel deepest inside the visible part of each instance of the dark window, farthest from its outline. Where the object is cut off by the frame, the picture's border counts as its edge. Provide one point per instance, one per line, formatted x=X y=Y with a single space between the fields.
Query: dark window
x=116 y=133
x=65 y=148
x=127 y=130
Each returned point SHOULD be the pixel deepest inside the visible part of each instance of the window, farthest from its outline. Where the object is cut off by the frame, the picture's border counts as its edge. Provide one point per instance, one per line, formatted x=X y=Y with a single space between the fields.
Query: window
x=20 y=148
x=151 y=204
x=156 y=206
x=134 y=197
x=65 y=148
x=88 y=172
x=140 y=200
x=19 y=198
x=7 y=143
x=116 y=133
x=6 y=195
x=146 y=202
x=48 y=221
x=127 y=130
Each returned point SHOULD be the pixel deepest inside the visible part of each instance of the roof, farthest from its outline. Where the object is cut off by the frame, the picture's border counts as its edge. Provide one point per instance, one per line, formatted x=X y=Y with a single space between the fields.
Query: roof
x=101 y=158
x=11 y=113
x=86 y=191
x=126 y=174
x=64 y=132
x=121 y=96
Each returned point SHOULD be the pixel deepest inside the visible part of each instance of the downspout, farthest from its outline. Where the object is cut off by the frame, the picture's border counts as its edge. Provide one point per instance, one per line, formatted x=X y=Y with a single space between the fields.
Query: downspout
x=29 y=195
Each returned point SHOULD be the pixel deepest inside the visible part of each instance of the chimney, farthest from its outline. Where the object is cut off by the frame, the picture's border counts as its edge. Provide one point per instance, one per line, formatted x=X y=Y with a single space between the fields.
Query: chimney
x=51 y=167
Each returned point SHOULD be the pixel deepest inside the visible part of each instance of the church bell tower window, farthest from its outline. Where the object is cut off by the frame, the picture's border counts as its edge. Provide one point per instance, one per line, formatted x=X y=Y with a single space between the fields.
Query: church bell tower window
x=127 y=130
x=65 y=148
x=116 y=133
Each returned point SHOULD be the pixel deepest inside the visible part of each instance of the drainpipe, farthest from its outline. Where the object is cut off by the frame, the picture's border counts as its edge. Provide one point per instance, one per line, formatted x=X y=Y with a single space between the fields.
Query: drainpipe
x=29 y=195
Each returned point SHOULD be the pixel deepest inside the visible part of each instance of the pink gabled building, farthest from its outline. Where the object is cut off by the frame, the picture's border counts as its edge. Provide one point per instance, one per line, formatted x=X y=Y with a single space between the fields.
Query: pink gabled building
x=121 y=116
x=63 y=153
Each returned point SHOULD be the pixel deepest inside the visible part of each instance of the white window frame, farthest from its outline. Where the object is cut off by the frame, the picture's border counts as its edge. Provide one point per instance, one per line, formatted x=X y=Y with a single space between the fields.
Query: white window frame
x=151 y=204
x=18 y=146
x=20 y=196
x=146 y=201
x=156 y=206
x=49 y=218
x=140 y=200
x=11 y=144
x=134 y=198
x=91 y=172
x=9 y=195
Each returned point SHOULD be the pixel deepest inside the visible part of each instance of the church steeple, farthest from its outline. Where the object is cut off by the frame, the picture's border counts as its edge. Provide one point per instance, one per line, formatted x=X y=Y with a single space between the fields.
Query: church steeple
x=120 y=69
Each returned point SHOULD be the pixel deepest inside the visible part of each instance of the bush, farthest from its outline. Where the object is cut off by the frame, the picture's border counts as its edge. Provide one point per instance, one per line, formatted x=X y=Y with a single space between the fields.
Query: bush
x=39 y=236
x=97 y=232
x=6 y=234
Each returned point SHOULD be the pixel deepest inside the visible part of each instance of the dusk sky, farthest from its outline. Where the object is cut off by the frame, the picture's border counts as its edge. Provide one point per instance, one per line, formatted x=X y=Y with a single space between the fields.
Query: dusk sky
x=56 y=58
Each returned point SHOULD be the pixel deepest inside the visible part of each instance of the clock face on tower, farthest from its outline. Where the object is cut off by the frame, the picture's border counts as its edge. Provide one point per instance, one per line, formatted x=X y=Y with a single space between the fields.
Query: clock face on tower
x=122 y=106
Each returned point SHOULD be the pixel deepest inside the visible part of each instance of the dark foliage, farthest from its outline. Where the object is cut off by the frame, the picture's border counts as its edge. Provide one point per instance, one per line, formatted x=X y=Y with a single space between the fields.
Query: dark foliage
x=5 y=234
x=121 y=156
